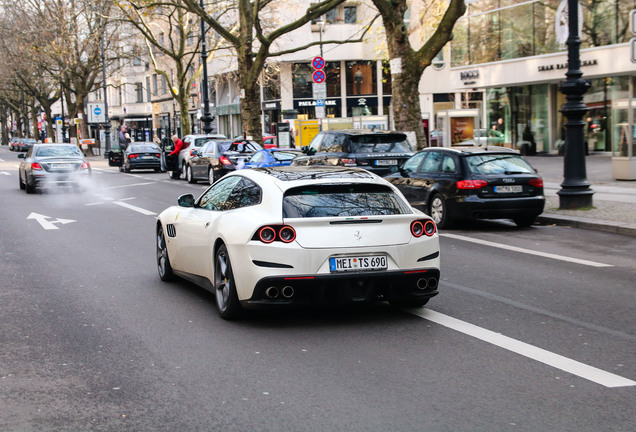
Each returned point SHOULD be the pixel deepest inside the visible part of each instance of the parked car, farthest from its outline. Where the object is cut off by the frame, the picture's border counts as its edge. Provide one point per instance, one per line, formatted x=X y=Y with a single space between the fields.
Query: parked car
x=176 y=167
x=300 y=236
x=138 y=155
x=218 y=157
x=21 y=144
x=50 y=165
x=375 y=151
x=272 y=157
x=471 y=183
x=269 y=142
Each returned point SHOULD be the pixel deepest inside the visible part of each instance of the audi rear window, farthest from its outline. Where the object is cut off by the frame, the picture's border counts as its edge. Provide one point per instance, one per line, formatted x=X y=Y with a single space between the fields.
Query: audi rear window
x=380 y=143
x=342 y=200
x=498 y=164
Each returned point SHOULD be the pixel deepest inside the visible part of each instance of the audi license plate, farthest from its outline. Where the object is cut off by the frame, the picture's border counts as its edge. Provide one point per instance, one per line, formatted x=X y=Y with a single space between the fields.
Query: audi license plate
x=357 y=263
x=385 y=162
x=509 y=189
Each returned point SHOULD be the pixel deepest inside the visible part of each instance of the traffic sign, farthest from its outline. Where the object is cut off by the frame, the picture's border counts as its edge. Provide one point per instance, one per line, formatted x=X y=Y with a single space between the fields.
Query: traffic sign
x=318 y=62
x=320 y=102
x=96 y=113
x=319 y=91
x=319 y=76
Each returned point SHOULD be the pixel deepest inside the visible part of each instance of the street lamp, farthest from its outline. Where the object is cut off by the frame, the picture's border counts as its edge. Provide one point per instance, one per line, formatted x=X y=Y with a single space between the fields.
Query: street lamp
x=206 y=118
x=107 y=120
x=575 y=190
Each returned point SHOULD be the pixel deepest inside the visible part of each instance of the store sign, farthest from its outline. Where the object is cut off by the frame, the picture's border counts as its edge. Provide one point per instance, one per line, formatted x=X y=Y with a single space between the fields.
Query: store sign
x=469 y=77
x=311 y=103
x=558 y=66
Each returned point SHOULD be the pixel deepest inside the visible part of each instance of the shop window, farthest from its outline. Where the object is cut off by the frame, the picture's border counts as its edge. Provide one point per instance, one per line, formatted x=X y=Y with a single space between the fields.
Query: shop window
x=350 y=14
x=361 y=78
x=386 y=78
x=332 y=70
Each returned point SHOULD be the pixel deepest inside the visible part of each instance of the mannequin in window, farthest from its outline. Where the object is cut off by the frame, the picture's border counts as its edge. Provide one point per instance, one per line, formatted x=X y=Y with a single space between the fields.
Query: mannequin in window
x=357 y=76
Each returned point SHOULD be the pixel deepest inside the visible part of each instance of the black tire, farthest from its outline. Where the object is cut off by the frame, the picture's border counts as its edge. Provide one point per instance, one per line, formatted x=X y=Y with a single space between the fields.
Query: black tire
x=22 y=185
x=438 y=210
x=126 y=169
x=227 y=302
x=189 y=176
x=163 y=260
x=29 y=189
x=524 y=221
x=212 y=176
x=174 y=175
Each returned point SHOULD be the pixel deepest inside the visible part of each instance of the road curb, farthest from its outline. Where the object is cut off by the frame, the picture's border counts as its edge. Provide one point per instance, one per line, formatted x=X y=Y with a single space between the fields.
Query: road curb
x=623 y=228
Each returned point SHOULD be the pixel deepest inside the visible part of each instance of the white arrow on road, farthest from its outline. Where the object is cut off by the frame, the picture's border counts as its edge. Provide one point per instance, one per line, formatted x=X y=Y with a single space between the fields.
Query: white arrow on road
x=5 y=173
x=46 y=224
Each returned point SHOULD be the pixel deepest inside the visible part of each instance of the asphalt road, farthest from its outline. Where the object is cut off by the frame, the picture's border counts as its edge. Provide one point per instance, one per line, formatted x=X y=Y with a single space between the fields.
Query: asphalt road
x=534 y=330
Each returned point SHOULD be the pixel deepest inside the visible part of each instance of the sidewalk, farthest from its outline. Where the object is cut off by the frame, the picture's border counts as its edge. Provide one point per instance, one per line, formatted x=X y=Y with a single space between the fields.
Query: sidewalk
x=614 y=201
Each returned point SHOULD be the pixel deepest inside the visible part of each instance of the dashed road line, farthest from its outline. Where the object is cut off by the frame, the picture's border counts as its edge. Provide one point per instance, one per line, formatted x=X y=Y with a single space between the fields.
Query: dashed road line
x=599 y=376
x=527 y=251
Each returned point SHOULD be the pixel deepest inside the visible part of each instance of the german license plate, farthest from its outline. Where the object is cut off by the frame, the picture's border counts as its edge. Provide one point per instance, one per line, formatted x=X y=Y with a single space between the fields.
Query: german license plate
x=509 y=189
x=357 y=263
x=61 y=165
x=147 y=157
x=385 y=162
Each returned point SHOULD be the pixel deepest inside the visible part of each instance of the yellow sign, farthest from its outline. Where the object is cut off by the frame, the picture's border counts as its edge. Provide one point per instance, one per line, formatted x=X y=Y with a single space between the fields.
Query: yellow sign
x=305 y=131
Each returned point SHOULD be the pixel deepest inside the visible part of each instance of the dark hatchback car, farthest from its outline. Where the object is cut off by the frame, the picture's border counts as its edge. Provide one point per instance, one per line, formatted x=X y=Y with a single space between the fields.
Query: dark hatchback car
x=375 y=151
x=218 y=157
x=471 y=183
x=138 y=156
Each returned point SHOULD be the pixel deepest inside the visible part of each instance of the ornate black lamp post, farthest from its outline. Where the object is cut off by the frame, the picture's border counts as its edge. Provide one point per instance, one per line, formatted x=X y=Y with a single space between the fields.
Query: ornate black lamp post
x=207 y=117
x=63 y=122
x=575 y=190
x=107 y=120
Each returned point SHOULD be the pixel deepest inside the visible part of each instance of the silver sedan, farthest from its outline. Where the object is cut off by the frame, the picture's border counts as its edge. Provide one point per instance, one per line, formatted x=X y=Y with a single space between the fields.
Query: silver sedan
x=46 y=165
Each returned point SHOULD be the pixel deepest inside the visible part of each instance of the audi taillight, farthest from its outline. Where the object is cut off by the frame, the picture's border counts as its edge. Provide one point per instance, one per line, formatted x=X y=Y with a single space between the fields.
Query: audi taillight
x=423 y=226
x=271 y=233
x=471 y=184
x=225 y=161
x=36 y=166
x=536 y=182
x=133 y=156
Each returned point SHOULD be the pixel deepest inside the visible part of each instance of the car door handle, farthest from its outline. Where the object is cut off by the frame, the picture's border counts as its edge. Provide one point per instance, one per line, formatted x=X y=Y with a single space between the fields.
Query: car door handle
x=207 y=224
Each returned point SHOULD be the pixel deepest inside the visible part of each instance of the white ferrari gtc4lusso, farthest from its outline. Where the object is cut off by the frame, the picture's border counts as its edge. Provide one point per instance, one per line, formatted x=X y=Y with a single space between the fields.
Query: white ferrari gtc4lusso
x=275 y=237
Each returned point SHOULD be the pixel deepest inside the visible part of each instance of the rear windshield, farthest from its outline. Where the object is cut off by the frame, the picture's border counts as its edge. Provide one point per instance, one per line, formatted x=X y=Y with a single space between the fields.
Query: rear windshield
x=58 y=151
x=498 y=164
x=380 y=143
x=144 y=148
x=342 y=200
x=247 y=147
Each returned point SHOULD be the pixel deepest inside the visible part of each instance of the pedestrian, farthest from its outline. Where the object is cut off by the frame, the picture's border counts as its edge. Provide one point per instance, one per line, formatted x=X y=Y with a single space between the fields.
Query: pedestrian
x=123 y=138
x=178 y=145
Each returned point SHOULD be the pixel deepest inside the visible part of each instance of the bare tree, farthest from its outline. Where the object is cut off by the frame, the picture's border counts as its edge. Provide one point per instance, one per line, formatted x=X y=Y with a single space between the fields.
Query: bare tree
x=408 y=63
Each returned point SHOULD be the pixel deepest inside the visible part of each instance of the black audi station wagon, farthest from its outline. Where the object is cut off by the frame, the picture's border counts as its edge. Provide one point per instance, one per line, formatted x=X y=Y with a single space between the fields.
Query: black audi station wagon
x=453 y=183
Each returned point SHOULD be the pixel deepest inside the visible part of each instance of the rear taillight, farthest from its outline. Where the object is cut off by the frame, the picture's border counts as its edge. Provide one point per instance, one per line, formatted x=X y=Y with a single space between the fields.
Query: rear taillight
x=423 y=226
x=271 y=233
x=536 y=182
x=85 y=165
x=225 y=161
x=158 y=155
x=133 y=156
x=36 y=166
x=471 y=184
x=348 y=161
x=192 y=152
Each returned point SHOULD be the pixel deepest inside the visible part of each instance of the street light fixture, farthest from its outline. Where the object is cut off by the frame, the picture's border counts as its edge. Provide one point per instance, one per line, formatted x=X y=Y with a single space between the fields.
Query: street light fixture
x=575 y=192
x=207 y=117
x=62 y=102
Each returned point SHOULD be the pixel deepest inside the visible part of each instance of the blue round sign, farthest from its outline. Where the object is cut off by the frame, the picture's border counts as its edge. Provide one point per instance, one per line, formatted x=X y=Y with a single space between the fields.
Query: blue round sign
x=319 y=76
x=97 y=111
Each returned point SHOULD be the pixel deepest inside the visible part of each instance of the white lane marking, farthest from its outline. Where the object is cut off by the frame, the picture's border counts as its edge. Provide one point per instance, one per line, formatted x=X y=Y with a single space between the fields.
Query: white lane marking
x=527 y=251
x=135 y=208
x=574 y=367
x=5 y=173
x=48 y=224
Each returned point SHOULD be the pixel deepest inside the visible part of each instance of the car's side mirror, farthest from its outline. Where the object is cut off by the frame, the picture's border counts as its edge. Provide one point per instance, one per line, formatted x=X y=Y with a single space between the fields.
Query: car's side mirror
x=186 y=200
x=21 y=156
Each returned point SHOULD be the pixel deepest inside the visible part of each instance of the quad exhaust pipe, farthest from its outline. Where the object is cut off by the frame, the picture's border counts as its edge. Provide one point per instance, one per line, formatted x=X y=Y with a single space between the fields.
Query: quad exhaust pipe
x=427 y=283
x=286 y=292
